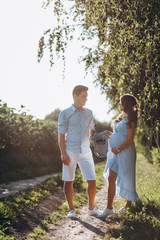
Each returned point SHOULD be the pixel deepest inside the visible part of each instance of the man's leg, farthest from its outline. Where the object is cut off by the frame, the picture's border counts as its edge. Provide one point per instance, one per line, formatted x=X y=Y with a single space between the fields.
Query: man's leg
x=111 y=188
x=68 y=189
x=91 y=190
x=87 y=168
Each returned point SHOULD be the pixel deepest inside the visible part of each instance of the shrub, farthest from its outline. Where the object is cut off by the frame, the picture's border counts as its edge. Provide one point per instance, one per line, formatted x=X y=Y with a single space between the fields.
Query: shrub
x=28 y=146
x=155 y=155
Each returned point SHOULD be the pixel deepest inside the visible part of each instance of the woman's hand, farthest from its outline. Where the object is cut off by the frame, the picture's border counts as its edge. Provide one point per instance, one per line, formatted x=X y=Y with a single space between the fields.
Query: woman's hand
x=128 y=141
x=115 y=151
x=109 y=133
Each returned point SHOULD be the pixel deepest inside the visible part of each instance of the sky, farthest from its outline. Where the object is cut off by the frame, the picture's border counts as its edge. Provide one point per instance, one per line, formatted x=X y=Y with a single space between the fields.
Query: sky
x=24 y=81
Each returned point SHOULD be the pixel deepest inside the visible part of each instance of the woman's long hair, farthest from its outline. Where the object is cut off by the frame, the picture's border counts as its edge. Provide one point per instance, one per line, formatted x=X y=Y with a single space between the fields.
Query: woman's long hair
x=130 y=104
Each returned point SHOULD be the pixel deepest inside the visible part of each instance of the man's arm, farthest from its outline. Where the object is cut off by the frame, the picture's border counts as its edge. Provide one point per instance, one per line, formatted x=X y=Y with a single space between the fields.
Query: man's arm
x=92 y=126
x=109 y=133
x=62 y=145
x=92 y=132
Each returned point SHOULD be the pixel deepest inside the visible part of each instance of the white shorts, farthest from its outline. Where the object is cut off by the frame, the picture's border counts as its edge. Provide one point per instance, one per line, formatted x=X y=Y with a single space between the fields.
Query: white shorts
x=86 y=165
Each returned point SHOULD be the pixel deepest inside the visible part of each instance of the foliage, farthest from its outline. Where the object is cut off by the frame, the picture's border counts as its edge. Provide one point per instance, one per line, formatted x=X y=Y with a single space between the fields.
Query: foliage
x=125 y=51
x=77 y=185
x=144 y=141
x=38 y=234
x=140 y=225
x=27 y=145
x=155 y=156
x=102 y=126
x=3 y=237
x=53 y=116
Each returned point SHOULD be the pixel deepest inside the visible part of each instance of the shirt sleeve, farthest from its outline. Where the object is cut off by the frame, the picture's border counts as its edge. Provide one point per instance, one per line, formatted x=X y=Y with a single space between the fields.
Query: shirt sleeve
x=62 y=123
x=92 y=124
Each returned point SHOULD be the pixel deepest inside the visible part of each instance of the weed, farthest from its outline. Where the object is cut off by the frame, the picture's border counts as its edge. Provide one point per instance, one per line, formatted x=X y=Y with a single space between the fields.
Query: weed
x=38 y=234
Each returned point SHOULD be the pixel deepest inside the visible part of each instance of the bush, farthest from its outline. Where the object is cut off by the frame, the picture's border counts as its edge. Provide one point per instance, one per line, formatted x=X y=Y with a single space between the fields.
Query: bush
x=28 y=146
x=141 y=222
x=155 y=155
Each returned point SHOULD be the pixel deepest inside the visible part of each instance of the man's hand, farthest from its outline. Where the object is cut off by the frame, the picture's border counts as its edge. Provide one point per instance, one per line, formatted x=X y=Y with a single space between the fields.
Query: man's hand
x=92 y=132
x=109 y=133
x=65 y=159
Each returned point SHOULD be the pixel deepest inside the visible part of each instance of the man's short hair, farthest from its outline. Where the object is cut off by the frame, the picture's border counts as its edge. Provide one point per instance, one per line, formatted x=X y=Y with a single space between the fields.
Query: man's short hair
x=78 y=89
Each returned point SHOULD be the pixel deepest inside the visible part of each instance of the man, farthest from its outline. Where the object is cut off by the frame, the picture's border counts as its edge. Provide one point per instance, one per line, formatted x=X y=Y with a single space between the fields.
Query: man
x=75 y=126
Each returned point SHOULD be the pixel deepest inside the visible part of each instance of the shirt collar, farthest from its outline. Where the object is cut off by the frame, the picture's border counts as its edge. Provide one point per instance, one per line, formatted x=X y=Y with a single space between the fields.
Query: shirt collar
x=74 y=108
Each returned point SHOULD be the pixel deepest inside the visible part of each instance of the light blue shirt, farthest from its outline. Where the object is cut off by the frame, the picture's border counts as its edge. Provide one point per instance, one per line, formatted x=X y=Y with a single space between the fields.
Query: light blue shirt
x=76 y=125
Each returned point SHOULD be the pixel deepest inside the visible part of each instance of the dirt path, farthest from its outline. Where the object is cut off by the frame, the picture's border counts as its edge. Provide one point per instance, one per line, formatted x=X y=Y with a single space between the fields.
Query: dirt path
x=14 y=187
x=83 y=227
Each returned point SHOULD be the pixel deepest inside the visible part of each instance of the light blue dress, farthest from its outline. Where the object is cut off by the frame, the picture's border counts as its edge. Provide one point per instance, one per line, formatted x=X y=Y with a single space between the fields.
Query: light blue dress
x=123 y=163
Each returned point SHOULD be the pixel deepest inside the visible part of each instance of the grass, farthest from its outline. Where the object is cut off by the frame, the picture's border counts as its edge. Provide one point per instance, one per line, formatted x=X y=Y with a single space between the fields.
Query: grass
x=142 y=220
x=13 y=206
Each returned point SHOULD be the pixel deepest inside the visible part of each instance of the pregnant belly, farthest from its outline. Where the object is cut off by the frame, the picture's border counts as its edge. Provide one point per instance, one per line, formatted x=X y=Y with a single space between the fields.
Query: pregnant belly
x=116 y=140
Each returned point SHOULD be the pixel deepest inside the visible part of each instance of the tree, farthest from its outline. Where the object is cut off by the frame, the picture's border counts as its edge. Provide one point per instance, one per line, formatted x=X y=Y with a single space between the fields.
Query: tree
x=53 y=116
x=127 y=53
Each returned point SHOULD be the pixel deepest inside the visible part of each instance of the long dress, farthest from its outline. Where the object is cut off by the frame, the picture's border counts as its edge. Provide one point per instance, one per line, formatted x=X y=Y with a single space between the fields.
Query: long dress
x=124 y=163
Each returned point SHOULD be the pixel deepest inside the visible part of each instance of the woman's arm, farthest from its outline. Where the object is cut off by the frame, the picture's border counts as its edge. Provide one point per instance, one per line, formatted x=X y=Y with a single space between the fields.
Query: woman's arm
x=128 y=141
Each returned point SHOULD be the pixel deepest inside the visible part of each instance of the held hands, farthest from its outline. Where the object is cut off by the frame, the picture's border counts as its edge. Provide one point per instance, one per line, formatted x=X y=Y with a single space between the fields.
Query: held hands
x=65 y=159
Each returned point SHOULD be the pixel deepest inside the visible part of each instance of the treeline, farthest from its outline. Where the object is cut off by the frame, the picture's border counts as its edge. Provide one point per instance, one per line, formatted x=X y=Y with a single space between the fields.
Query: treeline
x=29 y=146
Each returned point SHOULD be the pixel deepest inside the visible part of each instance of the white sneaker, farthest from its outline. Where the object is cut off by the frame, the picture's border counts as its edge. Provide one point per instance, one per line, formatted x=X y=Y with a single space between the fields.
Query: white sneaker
x=71 y=214
x=93 y=212
x=106 y=212
x=121 y=210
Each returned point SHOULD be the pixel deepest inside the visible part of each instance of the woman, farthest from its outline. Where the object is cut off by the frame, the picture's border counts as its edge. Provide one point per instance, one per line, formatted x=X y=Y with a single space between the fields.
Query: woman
x=121 y=158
